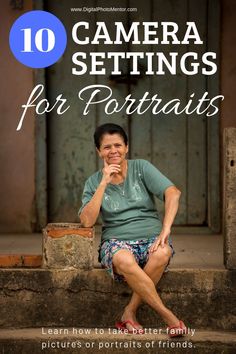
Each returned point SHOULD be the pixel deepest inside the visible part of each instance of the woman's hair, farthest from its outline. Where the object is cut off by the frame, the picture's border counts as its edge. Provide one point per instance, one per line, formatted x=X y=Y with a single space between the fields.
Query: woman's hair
x=108 y=128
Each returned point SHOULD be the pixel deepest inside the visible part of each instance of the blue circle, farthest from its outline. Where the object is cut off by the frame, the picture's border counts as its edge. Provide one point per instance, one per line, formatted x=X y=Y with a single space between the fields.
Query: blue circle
x=38 y=39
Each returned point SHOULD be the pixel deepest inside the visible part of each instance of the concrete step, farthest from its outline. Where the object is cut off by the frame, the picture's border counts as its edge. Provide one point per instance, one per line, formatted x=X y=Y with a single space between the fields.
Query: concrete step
x=194 y=249
x=41 y=297
x=106 y=341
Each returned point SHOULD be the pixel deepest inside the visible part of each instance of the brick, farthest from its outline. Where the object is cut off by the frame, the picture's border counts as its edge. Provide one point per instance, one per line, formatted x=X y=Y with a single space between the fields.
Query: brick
x=33 y=261
x=19 y=260
x=10 y=260
x=57 y=233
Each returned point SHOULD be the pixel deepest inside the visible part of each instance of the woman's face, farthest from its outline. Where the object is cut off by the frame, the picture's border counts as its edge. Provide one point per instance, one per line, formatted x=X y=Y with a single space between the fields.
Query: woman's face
x=113 y=149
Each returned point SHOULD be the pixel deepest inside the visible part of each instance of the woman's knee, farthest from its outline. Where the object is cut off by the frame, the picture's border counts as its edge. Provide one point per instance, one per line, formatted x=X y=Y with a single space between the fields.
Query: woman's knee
x=162 y=255
x=123 y=260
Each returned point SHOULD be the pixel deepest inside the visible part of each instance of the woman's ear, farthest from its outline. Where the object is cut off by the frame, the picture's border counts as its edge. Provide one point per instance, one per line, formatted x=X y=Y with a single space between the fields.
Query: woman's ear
x=99 y=152
x=127 y=149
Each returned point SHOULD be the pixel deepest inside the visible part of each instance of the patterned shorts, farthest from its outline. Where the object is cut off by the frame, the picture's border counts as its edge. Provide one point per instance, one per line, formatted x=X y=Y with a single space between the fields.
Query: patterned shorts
x=139 y=248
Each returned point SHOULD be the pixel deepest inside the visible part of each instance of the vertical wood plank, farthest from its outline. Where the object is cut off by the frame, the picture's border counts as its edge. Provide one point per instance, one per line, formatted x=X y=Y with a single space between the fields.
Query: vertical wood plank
x=196 y=134
x=119 y=90
x=169 y=131
x=141 y=125
x=214 y=214
x=71 y=151
x=41 y=151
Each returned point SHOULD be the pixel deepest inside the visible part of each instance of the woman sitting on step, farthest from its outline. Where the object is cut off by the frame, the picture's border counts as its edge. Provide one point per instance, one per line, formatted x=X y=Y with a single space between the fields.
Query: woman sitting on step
x=135 y=246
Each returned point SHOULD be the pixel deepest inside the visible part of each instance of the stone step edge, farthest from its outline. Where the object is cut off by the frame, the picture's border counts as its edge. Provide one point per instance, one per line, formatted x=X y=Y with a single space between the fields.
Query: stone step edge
x=111 y=334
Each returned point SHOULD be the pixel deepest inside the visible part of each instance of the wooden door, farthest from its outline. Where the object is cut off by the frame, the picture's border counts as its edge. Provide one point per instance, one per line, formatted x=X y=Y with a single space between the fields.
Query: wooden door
x=185 y=149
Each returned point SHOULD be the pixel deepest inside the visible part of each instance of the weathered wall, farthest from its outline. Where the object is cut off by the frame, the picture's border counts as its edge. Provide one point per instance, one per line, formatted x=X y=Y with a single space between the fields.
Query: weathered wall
x=229 y=225
x=17 y=150
x=228 y=117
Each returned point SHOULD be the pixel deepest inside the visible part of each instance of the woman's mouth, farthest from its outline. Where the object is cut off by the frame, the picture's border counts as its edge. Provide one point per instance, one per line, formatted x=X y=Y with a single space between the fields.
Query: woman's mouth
x=114 y=157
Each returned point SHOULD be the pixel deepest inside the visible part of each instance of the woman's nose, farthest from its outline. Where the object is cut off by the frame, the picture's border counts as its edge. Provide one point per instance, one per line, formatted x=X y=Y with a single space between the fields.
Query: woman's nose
x=113 y=149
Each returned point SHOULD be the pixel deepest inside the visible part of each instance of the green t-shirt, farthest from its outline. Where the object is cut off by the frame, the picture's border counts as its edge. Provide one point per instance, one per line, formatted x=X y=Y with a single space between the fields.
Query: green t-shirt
x=128 y=209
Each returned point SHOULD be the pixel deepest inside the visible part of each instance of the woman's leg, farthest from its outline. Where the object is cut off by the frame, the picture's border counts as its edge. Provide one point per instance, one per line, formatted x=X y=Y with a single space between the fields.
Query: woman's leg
x=154 y=269
x=125 y=264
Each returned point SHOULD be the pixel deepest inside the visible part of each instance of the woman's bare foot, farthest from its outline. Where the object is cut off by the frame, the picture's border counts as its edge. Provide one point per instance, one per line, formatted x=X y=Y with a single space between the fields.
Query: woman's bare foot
x=131 y=316
x=177 y=331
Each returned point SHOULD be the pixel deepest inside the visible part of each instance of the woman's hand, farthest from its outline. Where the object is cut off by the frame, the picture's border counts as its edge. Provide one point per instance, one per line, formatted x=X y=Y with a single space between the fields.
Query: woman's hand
x=109 y=170
x=161 y=240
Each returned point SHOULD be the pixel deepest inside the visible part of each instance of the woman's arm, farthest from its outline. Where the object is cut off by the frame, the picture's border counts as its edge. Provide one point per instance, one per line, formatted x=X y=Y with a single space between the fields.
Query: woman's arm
x=172 y=196
x=91 y=210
